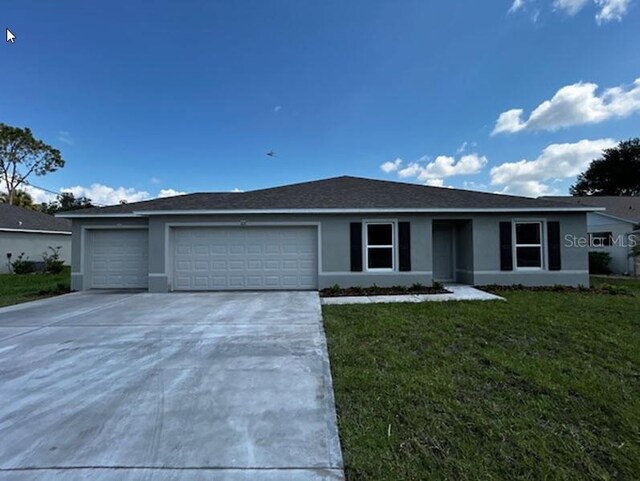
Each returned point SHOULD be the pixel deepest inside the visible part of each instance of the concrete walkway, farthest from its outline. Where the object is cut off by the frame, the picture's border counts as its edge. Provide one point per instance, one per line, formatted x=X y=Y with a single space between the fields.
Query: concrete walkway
x=167 y=387
x=458 y=293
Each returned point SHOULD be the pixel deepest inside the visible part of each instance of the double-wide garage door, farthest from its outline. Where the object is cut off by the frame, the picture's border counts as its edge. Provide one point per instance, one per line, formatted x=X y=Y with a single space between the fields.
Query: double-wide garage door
x=237 y=258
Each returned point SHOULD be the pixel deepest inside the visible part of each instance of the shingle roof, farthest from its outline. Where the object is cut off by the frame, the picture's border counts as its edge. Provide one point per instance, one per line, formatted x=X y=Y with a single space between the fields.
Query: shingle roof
x=334 y=193
x=13 y=217
x=625 y=207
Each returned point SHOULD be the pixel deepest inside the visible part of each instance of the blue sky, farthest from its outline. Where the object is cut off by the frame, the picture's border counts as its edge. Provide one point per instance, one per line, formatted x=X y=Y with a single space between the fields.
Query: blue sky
x=149 y=96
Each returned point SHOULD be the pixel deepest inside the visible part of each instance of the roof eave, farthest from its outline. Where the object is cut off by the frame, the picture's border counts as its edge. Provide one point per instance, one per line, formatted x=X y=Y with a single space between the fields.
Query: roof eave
x=150 y=213
x=35 y=231
x=367 y=210
x=64 y=215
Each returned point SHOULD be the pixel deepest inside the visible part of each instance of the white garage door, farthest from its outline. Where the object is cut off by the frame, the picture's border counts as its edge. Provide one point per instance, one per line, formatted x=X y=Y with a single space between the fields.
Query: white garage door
x=236 y=258
x=119 y=259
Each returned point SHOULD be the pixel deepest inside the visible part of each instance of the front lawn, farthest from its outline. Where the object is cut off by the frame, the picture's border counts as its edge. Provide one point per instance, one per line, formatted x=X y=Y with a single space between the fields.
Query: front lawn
x=543 y=386
x=15 y=288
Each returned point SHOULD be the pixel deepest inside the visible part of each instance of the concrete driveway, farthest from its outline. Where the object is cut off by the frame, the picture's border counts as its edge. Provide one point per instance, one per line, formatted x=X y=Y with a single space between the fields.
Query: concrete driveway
x=125 y=386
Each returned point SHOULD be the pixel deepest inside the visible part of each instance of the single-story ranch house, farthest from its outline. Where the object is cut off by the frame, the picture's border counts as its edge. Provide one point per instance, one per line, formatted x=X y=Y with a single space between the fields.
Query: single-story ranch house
x=346 y=230
x=25 y=231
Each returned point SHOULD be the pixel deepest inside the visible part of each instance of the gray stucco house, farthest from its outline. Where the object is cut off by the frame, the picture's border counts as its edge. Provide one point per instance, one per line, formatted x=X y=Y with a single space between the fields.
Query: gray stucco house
x=345 y=230
x=612 y=230
x=32 y=233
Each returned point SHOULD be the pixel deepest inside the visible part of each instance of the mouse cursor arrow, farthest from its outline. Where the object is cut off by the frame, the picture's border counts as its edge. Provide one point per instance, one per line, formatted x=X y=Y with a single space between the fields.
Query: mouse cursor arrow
x=10 y=36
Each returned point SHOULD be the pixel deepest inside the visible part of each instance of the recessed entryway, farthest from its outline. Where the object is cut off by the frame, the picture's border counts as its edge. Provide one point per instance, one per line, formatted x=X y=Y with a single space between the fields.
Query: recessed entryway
x=443 y=251
x=452 y=250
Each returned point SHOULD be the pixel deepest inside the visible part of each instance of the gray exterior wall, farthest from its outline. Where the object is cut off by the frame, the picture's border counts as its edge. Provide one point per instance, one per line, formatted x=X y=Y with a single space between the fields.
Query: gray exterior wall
x=477 y=248
x=575 y=261
x=621 y=262
x=33 y=245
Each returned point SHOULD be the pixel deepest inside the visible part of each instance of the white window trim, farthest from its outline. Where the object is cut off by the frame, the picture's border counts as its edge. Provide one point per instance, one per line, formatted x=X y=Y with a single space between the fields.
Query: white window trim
x=365 y=239
x=543 y=253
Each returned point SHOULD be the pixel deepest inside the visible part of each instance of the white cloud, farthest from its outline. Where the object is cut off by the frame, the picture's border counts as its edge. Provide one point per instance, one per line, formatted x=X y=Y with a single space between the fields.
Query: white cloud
x=474 y=185
x=529 y=188
x=412 y=170
x=99 y=194
x=391 y=166
x=37 y=195
x=434 y=172
x=65 y=137
x=435 y=182
x=608 y=10
x=169 y=193
x=574 y=104
x=517 y=5
x=105 y=195
x=611 y=10
x=570 y=7
x=237 y=190
x=277 y=108
x=557 y=161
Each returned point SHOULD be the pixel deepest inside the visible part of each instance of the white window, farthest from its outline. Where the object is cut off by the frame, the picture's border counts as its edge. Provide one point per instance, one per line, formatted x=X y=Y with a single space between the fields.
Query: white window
x=379 y=246
x=528 y=245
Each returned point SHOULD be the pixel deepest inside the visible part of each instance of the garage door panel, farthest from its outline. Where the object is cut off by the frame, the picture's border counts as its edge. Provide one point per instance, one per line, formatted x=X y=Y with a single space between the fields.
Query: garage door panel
x=119 y=259
x=245 y=258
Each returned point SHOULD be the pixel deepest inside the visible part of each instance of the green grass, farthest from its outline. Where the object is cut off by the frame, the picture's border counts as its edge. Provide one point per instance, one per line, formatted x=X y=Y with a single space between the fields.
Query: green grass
x=15 y=289
x=544 y=386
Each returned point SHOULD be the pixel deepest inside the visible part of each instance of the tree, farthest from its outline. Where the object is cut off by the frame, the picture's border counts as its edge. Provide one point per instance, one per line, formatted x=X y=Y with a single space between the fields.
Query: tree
x=20 y=198
x=617 y=172
x=22 y=155
x=64 y=202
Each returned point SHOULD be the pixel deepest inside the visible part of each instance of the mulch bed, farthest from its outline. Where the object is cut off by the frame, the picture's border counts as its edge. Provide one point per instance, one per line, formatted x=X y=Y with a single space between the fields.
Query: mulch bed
x=381 y=291
x=603 y=289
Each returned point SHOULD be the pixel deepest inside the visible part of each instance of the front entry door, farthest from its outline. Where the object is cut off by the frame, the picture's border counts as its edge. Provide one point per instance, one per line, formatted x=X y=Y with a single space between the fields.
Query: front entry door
x=443 y=239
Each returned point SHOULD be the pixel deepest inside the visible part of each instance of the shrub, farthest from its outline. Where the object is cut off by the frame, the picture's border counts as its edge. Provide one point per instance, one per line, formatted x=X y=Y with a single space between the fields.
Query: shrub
x=60 y=288
x=335 y=289
x=437 y=285
x=599 y=263
x=22 y=265
x=52 y=262
x=416 y=286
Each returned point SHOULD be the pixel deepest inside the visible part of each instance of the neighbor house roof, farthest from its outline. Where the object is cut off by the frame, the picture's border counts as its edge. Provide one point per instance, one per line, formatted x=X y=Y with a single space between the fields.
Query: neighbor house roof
x=14 y=218
x=338 y=194
x=624 y=207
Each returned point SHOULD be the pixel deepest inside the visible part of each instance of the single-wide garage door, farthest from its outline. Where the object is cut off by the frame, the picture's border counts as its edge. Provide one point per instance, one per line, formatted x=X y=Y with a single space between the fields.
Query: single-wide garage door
x=237 y=258
x=119 y=259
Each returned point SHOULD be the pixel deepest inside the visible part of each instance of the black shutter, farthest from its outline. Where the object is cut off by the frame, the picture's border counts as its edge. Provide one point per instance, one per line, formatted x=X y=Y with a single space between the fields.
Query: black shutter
x=554 y=247
x=356 y=247
x=506 y=247
x=404 y=246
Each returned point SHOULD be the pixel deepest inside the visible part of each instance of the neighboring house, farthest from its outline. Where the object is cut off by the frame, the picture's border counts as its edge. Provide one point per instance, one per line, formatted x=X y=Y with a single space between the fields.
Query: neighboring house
x=31 y=232
x=348 y=231
x=612 y=230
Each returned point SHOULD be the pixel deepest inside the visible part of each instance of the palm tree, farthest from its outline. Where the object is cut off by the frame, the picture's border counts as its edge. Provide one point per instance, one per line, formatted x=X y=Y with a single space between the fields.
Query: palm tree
x=20 y=198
